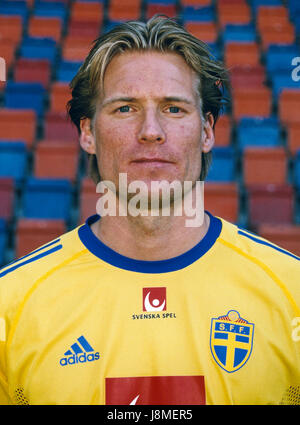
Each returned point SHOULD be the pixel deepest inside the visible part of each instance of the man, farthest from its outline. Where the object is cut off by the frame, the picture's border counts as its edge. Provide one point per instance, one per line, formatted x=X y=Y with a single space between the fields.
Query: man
x=143 y=309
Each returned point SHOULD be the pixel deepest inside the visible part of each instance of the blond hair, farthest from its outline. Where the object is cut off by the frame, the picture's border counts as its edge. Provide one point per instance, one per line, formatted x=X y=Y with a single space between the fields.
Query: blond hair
x=160 y=34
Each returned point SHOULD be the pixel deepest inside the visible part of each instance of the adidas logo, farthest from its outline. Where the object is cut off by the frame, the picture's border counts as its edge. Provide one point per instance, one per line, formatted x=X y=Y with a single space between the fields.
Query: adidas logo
x=80 y=352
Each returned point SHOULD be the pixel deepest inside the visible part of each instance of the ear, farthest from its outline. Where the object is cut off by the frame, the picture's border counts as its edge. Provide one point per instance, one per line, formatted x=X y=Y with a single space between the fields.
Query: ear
x=208 y=135
x=87 y=138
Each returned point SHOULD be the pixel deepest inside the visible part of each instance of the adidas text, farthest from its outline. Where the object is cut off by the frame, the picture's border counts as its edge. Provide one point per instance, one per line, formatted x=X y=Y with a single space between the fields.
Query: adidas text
x=82 y=358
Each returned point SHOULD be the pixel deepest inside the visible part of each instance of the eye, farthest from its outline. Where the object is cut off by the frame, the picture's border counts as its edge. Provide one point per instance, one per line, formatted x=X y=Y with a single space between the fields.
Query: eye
x=174 y=109
x=124 y=109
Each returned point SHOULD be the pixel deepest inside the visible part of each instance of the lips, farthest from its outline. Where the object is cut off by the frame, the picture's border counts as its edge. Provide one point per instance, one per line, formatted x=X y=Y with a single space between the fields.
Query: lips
x=149 y=160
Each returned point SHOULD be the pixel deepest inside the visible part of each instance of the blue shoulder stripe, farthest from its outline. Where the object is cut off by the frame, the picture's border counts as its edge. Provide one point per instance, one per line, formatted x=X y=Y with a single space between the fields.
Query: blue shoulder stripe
x=30 y=260
x=262 y=242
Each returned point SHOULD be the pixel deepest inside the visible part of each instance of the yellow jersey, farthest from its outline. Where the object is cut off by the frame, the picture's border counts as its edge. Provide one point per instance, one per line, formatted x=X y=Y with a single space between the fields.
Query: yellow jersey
x=219 y=324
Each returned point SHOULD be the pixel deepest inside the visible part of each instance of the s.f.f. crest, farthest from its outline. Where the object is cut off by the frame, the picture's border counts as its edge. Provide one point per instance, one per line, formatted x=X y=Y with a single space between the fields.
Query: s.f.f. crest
x=231 y=340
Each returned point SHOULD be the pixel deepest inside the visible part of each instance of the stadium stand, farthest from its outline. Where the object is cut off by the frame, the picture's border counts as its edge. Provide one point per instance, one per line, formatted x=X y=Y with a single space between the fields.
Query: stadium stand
x=254 y=180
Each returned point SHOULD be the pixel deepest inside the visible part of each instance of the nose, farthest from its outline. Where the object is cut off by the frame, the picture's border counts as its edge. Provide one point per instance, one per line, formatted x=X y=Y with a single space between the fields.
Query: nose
x=151 y=129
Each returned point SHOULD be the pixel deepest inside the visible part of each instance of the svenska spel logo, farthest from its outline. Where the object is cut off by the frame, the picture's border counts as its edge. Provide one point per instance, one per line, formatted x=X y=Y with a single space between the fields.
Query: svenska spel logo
x=154 y=299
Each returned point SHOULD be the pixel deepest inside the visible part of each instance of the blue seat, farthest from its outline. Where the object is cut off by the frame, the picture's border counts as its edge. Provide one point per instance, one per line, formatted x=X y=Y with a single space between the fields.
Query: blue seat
x=67 y=70
x=162 y=2
x=297 y=169
x=3 y=240
x=283 y=80
x=258 y=132
x=195 y=14
x=239 y=33
x=50 y=10
x=14 y=8
x=294 y=8
x=38 y=48
x=222 y=168
x=279 y=57
x=13 y=160
x=254 y=4
x=46 y=198
x=25 y=96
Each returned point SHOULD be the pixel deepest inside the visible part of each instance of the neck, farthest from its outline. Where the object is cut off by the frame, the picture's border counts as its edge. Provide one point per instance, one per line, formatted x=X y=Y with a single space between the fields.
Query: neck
x=150 y=238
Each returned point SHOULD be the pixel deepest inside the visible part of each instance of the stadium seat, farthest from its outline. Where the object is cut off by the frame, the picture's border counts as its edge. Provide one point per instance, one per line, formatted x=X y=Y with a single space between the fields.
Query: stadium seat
x=282 y=80
x=13 y=160
x=271 y=16
x=60 y=94
x=7 y=196
x=47 y=198
x=241 y=54
x=58 y=127
x=88 y=198
x=25 y=96
x=153 y=8
x=87 y=11
x=297 y=169
x=281 y=34
x=262 y=165
x=286 y=236
x=50 y=9
x=196 y=3
x=254 y=102
x=11 y=28
x=57 y=160
x=239 y=33
x=32 y=71
x=223 y=131
x=18 y=125
x=15 y=8
x=279 y=57
x=289 y=106
x=233 y=13
x=66 y=71
x=42 y=27
x=33 y=233
x=75 y=49
x=247 y=77
x=293 y=137
x=270 y=204
x=39 y=48
x=214 y=196
x=84 y=30
x=131 y=10
x=195 y=13
x=205 y=31
x=3 y=241
x=8 y=50
x=222 y=168
x=264 y=132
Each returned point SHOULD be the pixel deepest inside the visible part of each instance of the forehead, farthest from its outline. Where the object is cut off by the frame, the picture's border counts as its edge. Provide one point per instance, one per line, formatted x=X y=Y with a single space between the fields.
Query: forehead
x=149 y=74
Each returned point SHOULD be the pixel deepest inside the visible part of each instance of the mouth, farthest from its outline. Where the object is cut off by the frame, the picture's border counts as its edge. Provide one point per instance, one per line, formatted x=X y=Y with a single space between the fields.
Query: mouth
x=151 y=161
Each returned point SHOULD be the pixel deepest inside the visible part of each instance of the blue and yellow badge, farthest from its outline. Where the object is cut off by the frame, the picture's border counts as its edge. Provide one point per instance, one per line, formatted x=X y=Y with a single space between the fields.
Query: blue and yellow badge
x=231 y=340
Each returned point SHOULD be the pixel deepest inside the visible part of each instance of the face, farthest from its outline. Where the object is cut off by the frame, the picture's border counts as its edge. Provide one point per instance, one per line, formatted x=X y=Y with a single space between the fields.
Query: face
x=148 y=121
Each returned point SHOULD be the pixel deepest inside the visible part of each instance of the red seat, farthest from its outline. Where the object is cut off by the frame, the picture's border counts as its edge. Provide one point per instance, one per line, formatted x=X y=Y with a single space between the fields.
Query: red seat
x=33 y=70
x=83 y=30
x=264 y=165
x=254 y=102
x=241 y=54
x=17 y=124
x=289 y=106
x=43 y=27
x=59 y=127
x=88 y=199
x=214 y=196
x=196 y=3
x=6 y=198
x=87 y=11
x=33 y=233
x=129 y=10
x=247 y=76
x=281 y=34
x=77 y=48
x=59 y=96
x=223 y=130
x=153 y=9
x=56 y=160
x=286 y=236
x=271 y=16
x=272 y=204
x=205 y=31
x=236 y=13
x=11 y=28
x=8 y=49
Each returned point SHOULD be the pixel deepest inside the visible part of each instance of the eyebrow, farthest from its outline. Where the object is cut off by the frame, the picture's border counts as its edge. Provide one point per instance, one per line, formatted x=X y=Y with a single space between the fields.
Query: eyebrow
x=133 y=99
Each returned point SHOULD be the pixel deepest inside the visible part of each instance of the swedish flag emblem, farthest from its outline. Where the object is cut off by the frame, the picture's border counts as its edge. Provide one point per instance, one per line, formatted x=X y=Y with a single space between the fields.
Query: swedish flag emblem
x=231 y=340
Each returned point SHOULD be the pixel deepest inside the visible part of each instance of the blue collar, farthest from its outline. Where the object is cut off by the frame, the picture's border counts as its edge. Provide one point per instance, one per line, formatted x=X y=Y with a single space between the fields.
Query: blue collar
x=100 y=250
